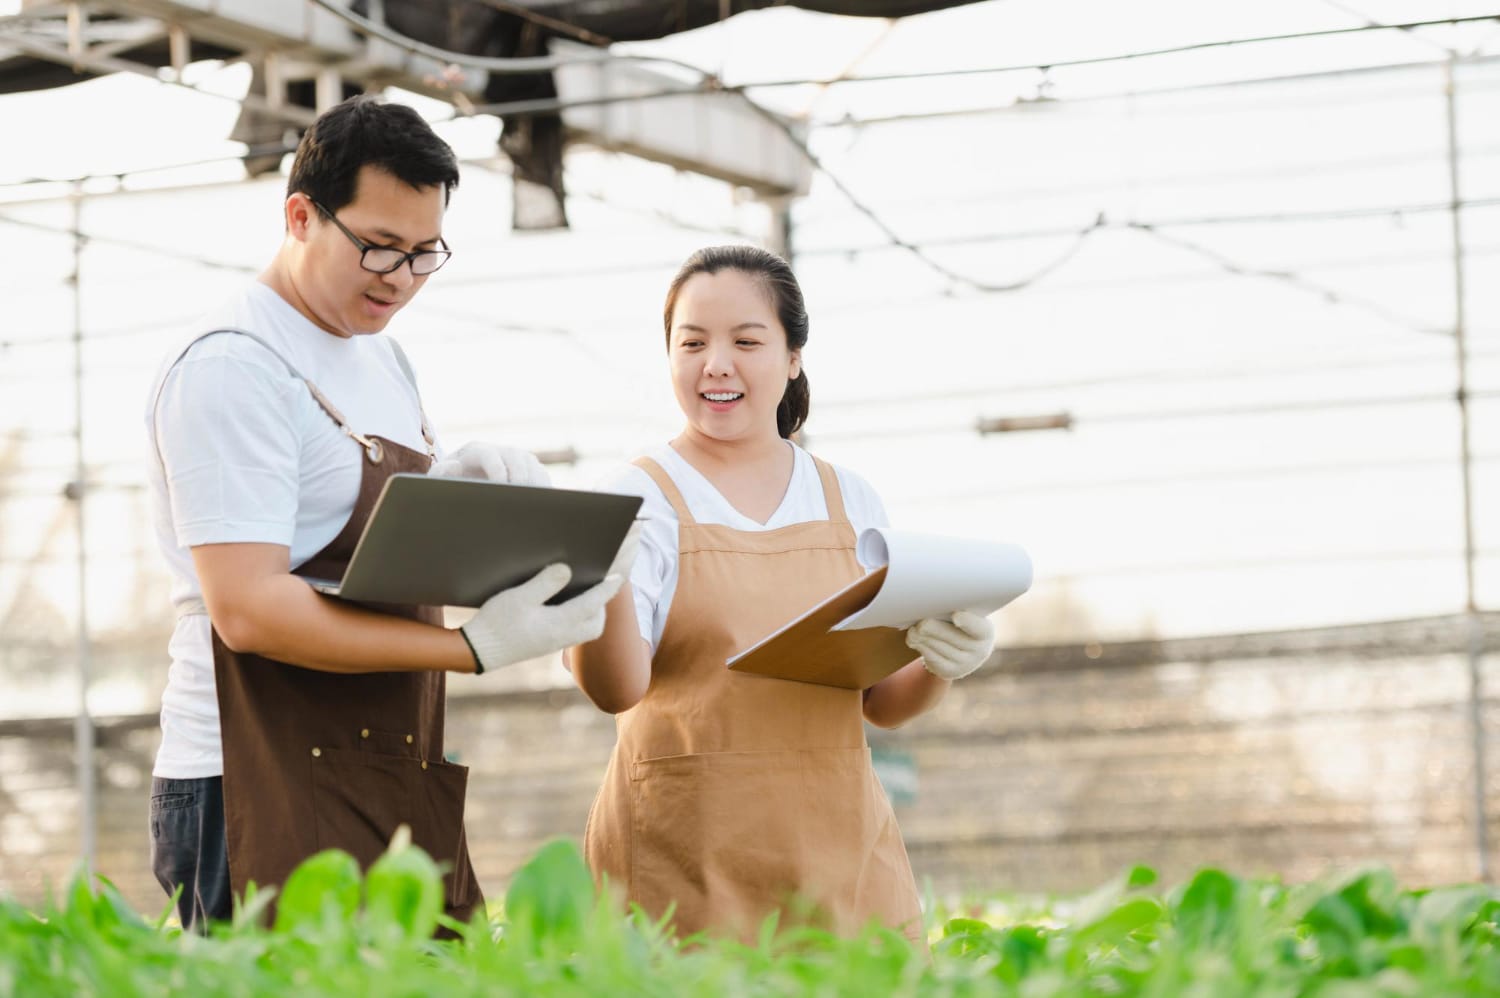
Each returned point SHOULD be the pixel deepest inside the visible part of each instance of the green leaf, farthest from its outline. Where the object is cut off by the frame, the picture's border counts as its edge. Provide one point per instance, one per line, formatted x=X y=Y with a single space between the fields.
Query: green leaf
x=323 y=889
x=1102 y=900
x=1206 y=910
x=1113 y=929
x=403 y=892
x=552 y=895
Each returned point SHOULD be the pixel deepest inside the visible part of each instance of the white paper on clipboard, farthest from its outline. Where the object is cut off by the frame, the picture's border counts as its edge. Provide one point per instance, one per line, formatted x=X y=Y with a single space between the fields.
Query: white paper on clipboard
x=928 y=575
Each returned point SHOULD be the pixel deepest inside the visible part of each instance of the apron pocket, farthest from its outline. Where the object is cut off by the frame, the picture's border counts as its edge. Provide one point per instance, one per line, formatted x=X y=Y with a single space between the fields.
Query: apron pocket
x=730 y=837
x=360 y=798
x=395 y=743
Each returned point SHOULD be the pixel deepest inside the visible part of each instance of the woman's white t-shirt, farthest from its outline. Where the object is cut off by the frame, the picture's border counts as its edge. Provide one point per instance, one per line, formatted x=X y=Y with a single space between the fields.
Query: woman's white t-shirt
x=247 y=455
x=654 y=576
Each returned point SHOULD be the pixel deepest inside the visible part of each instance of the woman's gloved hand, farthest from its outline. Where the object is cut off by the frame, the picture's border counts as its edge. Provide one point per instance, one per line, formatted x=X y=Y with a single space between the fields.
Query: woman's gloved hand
x=517 y=624
x=952 y=649
x=477 y=459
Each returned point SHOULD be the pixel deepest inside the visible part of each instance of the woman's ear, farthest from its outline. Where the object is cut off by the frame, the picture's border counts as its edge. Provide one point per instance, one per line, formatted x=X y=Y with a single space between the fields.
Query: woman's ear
x=796 y=369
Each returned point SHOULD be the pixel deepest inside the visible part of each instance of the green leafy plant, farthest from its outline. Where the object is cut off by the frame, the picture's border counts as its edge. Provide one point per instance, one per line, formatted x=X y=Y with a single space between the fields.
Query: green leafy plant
x=340 y=933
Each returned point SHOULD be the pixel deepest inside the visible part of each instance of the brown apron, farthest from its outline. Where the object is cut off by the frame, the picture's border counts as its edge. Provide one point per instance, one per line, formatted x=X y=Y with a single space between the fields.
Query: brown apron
x=732 y=795
x=319 y=760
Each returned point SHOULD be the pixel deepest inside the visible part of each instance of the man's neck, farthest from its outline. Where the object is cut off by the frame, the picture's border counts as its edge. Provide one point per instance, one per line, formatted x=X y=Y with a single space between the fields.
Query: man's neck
x=278 y=277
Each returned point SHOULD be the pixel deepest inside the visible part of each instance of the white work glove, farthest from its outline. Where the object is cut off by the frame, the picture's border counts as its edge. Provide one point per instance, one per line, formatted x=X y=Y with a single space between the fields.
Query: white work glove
x=952 y=649
x=477 y=459
x=516 y=624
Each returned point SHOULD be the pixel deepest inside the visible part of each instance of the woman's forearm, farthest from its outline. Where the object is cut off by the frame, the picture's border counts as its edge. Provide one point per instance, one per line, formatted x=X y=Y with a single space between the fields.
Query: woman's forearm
x=908 y=692
x=614 y=669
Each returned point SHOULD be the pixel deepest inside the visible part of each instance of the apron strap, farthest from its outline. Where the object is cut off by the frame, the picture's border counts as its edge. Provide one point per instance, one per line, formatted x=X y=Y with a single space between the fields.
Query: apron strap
x=412 y=378
x=372 y=447
x=668 y=488
x=833 y=496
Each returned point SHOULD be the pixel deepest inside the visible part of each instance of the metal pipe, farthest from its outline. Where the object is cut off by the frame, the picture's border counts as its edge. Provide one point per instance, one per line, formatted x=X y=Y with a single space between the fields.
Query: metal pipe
x=1471 y=608
x=83 y=727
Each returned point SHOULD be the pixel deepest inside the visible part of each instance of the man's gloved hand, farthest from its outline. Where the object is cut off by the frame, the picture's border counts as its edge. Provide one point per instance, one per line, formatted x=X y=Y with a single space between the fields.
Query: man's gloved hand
x=516 y=624
x=952 y=649
x=477 y=459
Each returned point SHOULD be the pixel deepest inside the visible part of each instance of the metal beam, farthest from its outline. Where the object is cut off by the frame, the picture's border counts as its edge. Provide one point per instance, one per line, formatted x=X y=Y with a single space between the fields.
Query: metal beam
x=110 y=64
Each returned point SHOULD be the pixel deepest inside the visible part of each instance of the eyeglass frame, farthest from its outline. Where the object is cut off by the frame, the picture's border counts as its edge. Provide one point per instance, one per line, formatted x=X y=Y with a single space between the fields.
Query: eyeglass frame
x=365 y=248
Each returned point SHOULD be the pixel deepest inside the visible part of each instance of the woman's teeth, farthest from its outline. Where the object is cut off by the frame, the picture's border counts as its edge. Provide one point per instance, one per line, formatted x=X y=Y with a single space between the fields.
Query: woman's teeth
x=723 y=396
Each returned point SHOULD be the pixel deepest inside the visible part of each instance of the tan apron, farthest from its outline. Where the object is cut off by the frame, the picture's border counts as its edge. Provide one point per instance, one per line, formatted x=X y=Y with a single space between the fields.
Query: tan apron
x=733 y=796
x=320 y=760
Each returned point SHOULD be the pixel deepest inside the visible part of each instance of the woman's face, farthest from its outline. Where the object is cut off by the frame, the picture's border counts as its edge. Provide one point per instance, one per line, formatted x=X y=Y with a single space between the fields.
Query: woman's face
x=729 y=358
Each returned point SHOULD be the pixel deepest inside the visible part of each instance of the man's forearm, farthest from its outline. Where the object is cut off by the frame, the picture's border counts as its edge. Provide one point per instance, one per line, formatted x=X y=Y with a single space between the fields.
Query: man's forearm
x=280 y=617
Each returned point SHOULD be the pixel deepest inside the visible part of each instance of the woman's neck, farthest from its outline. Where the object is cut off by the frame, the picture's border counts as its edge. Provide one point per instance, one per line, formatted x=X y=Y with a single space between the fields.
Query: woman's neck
x=704 y=452
x=751 y=475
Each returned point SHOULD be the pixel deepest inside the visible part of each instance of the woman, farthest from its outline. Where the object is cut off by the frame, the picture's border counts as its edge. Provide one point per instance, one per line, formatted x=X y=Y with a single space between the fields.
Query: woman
x=732 y=796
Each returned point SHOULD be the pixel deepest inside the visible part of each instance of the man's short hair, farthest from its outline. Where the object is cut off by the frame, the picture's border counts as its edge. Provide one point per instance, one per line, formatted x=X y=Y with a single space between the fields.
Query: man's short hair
x=365 y=131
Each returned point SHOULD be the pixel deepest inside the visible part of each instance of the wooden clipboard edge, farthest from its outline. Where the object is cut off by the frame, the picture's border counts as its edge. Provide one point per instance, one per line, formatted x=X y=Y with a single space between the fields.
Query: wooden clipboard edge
x=810 y=651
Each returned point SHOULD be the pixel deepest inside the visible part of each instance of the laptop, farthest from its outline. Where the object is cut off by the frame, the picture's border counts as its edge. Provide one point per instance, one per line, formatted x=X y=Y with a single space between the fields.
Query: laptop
x=459 y=541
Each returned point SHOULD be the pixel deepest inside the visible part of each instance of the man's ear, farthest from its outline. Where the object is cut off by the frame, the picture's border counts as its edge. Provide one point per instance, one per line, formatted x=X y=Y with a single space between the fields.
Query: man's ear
x=299 y=215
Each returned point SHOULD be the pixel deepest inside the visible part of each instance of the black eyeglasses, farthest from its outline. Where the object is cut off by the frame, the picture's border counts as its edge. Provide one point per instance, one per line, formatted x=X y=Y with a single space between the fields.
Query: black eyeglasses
x=388 y=259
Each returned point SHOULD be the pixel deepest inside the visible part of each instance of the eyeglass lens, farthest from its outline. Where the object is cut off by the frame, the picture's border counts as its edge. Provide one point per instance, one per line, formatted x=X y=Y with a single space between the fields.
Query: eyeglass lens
x=383 y=261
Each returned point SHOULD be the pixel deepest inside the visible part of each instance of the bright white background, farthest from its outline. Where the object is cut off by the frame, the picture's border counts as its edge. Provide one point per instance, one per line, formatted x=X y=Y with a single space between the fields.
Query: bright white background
x=1168 y=510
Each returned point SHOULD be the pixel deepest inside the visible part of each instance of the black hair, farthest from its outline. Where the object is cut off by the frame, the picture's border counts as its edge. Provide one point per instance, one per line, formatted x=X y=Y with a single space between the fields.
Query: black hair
x=365 y=131
x=776 y=277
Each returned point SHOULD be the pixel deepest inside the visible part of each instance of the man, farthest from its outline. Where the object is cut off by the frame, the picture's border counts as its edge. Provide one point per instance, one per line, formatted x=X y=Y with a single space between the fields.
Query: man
x=293 y=722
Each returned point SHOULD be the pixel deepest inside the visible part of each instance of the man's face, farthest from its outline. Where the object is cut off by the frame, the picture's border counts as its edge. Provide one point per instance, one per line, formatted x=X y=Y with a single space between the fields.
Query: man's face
x=341 y=296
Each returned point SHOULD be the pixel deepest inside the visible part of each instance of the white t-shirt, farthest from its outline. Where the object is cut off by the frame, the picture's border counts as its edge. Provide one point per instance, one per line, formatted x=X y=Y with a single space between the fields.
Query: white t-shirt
x=654 y=575
x=250 y=456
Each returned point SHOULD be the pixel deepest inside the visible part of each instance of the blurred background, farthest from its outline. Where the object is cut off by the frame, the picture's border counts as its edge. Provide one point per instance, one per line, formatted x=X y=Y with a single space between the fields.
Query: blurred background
x=1198 y=302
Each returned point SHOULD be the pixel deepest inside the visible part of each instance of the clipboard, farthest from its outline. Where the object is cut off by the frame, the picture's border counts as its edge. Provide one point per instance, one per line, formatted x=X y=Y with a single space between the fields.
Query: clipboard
x=857 y=636
x=434 y=541
x=811 y=651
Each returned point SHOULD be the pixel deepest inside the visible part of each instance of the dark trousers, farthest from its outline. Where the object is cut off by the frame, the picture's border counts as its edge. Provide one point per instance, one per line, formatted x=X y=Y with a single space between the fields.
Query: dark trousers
x=188 y=848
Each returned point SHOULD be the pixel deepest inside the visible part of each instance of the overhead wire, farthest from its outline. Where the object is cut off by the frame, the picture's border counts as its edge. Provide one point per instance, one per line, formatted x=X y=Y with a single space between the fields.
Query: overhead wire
x=776 y=121
x=1085 y=419
x=1219 y=259
x=1181 y=222
x=1249 y=564
x=526 y=65
x=541 y=20
x=1203 y=477
x=1079 y=236
x=1373 y=23
x=552 y=105
x=1179 y=180
x=1292 y=279
x=800 y=143
x=161 y=251
x=1075 y=103
x=435 y=293
x=251 y=151
x=1157 y=377
x=1226 y=264
x=1195 y=476
x=1049 y=578
x=1036 y=67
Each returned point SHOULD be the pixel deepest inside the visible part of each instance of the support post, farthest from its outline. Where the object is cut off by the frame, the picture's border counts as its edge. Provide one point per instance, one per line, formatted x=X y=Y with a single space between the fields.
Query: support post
x=1471 y=608
x=83 y=725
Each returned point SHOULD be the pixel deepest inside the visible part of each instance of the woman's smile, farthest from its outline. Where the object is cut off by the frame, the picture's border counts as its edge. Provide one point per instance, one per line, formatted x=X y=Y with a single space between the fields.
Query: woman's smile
x=721 y=401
